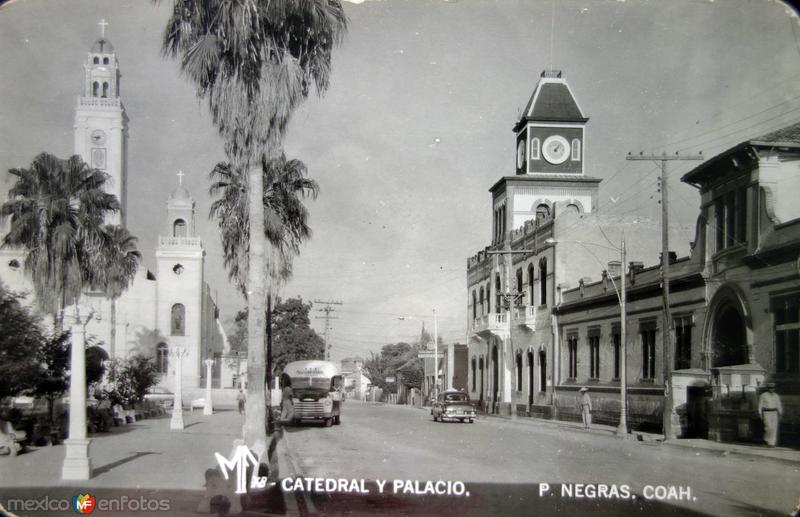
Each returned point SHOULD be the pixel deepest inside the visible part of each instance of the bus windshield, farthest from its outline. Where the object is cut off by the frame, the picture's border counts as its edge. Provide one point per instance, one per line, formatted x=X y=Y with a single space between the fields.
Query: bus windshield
x=311 y=382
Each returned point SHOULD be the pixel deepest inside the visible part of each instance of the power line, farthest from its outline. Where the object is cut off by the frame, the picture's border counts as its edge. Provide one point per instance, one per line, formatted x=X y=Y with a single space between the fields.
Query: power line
x=328 y=309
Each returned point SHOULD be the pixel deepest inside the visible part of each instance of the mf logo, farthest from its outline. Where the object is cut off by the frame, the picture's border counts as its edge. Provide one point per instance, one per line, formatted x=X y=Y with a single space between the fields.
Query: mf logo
x=241 y=458
x=83 y=503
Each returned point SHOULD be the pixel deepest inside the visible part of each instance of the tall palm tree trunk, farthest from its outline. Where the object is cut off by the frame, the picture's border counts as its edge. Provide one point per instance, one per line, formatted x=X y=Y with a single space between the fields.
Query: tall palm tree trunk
x=112 y=347
x=255 y=432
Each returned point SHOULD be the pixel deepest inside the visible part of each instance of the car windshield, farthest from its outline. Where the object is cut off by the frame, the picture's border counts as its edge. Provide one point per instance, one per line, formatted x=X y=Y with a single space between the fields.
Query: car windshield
x=455 y=397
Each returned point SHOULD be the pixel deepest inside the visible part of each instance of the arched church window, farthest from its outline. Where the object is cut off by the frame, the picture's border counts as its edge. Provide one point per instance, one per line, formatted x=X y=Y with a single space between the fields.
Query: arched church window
x=542 y=212
x=105 y=89
x=105 y=60
x=95 y=89
x=572 y=207
x=13 y=265
x=179 y=228
x=96 y=60
x=576 y=149
x=178 y=320
x=162 y=358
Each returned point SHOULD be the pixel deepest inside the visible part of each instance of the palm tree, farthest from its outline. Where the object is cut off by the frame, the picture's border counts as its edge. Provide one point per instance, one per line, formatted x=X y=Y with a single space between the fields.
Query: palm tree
x=285 y=216
x=254 y=61
x=121 y=260
x=57 y=208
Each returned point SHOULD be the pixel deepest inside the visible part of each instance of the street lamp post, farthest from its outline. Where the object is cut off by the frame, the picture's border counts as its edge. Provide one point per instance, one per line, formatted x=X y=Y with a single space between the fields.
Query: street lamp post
x=77 y=463
x=208 y=408
x=177 y=353
x=622 y=428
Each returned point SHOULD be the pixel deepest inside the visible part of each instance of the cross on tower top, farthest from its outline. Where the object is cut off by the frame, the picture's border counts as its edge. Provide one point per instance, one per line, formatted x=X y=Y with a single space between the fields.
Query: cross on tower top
x=102 y=23
x=180 y=176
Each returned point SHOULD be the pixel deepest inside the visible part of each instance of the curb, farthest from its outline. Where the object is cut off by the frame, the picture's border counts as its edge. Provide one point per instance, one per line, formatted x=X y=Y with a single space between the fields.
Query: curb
x=296 y=504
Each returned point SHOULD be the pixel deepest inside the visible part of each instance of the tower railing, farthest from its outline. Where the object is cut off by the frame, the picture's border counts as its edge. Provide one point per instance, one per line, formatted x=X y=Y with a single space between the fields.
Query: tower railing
x=98 y=102
x=166 y=242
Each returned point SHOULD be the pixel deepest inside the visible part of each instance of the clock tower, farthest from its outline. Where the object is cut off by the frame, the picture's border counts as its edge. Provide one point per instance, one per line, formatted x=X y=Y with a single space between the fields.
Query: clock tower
x=101 y=126
x=550 y=165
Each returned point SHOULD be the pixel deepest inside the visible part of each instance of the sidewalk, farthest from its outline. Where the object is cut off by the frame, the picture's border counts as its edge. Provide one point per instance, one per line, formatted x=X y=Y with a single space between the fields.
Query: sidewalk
x=783 y=454
x=143 y=459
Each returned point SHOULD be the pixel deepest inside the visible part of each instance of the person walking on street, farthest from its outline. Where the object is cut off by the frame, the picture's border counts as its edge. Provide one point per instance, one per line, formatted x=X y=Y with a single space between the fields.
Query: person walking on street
x=770 y=410
x=240 y=398
x=586 y=407
x=287 y=406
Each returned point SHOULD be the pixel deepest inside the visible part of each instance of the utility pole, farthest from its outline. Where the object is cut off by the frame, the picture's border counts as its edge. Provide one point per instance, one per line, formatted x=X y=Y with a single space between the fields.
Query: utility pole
x=328 y=309
x=666 y=333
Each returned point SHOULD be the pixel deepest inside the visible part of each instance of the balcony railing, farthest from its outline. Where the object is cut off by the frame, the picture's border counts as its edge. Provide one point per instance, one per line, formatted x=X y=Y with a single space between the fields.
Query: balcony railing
x=492 y=321
x=166 y=242
x=99 y=102
x=526 y=315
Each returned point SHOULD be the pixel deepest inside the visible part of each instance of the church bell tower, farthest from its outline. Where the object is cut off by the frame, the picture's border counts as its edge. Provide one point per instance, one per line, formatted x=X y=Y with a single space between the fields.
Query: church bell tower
x=101 y=126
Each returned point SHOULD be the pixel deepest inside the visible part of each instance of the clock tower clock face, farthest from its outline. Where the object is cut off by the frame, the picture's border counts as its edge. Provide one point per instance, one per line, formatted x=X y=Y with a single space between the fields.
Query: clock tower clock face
x=521 y=154
x=98 y=136
x=556 y=149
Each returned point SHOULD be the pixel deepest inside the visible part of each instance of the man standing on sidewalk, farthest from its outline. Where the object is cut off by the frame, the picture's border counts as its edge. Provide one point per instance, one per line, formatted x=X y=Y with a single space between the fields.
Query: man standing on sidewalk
x=586 y=407
x=770 y=410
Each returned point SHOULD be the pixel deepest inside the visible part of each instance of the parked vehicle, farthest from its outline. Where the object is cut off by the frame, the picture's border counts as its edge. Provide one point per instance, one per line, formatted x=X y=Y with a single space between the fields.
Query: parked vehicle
x=316 y=391
x=161 y=395
x=453 y=405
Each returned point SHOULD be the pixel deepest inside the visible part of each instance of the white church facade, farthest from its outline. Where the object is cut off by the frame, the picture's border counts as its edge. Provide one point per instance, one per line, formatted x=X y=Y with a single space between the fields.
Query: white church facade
x=173 y=307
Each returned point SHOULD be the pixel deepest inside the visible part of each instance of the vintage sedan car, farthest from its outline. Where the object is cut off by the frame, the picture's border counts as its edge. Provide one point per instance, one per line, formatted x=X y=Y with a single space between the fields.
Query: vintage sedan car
x=453 y=405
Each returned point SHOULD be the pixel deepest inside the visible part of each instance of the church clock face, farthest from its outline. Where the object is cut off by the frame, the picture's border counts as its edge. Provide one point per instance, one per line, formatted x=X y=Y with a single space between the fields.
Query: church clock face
x=98 y=137
x=556 y=149
x=521 y=154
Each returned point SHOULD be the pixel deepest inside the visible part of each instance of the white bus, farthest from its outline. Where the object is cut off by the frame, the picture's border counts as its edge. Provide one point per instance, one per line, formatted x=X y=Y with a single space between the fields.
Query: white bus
x=317 y=388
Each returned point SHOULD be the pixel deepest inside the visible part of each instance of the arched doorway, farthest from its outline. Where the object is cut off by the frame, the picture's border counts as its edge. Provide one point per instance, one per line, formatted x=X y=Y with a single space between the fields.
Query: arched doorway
x=530 y=377
x=495 y=375
x=542 y=371
x=729 y=337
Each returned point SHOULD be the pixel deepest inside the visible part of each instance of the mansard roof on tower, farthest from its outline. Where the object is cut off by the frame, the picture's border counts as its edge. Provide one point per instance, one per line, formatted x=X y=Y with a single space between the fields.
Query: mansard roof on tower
x=551 y=101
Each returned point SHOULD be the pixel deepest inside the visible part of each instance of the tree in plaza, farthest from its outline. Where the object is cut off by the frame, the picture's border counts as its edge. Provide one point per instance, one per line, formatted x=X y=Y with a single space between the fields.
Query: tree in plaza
x=57 y=209
x=20 y=339
x=254 y=61
x=285 y=217
x=52 y=380
x=129 y=379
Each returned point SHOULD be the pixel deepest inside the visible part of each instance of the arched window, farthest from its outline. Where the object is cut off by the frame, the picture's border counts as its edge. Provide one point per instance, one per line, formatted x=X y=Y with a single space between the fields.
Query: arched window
x=542 y=212
x=535 y=149
x=95 y=89
x=530 y=284
x=474 y=304
x=497 y=295
x=572 y=207
x=482 y=298
x=178 y=320
x=519 y=281
x=105 y=89
x=474 y=371
x=489 y=297
x=13 y=265
x=162 y=358
x=179 y=228
x=96 y=60
x=543 y=282
x=519 y=370
x=105 y=60
x=576 y=149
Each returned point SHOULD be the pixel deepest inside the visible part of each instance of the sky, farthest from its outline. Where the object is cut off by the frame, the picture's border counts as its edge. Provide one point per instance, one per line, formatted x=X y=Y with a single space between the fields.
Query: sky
x=416 y=126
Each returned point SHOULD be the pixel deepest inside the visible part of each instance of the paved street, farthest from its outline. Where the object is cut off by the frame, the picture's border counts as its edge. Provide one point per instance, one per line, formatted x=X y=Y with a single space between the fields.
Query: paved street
x=501 y=463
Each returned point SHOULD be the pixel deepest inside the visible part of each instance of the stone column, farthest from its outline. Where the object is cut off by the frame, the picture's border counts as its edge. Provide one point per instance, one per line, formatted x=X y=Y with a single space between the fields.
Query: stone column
x=208 y=409
x=177 y=353
x=77 y=464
